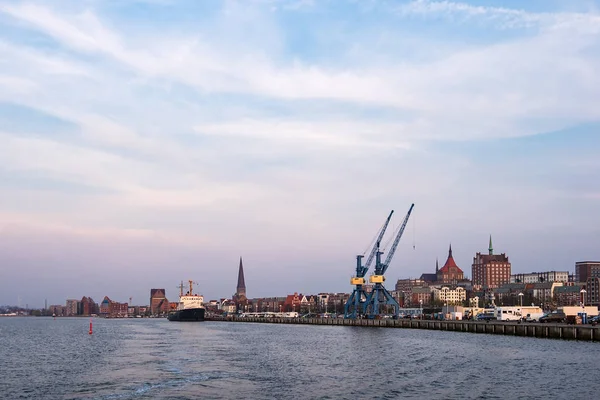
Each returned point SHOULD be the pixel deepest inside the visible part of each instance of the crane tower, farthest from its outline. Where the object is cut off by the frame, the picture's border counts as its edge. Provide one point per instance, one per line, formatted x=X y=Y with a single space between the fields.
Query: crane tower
x=356 y=302
x=380 y=295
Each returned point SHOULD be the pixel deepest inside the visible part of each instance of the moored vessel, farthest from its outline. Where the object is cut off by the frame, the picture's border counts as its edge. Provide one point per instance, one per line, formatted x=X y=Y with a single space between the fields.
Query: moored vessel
x=190 y=307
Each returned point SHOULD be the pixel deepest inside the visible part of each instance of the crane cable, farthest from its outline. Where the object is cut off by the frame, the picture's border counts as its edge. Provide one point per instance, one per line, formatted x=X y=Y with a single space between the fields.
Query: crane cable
x=372 y=242
x=414 y=232
x=391 y=238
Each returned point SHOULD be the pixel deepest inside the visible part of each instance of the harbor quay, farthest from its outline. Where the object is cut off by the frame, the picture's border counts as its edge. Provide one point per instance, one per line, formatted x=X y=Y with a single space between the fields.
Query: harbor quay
x=538 y=330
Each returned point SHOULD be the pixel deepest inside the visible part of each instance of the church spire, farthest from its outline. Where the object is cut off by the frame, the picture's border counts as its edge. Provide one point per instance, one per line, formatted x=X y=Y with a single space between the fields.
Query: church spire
x=450 y=251
x=241 y=284
x=437 y=266
x=491 y=249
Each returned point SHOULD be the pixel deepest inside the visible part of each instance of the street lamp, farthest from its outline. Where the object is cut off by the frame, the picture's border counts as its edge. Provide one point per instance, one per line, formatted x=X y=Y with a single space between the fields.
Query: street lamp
x=583 y=292
x=421 y=307
x=521 y=298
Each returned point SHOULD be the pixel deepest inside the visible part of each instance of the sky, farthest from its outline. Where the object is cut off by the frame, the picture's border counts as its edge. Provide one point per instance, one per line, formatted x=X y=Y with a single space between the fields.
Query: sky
x=147 y=142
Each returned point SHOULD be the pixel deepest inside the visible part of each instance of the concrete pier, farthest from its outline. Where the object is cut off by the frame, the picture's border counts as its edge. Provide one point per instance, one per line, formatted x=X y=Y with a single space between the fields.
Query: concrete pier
x=550 y=331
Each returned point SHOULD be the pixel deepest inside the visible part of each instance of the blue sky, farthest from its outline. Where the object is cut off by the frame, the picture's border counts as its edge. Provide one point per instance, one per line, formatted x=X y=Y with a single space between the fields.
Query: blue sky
x=147 y=142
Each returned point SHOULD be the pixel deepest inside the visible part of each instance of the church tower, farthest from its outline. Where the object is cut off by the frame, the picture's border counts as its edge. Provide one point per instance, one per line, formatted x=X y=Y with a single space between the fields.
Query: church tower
x=450 y=273
x=241 y=284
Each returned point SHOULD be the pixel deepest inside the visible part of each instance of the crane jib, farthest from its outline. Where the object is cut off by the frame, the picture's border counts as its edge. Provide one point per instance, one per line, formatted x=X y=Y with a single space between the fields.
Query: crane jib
x=375 y=248
x=390 y=255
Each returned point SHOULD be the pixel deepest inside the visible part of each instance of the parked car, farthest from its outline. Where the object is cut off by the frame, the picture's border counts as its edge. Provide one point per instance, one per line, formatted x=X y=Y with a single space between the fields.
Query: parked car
x=486 y=317
x=554 y=316
x=594 y=320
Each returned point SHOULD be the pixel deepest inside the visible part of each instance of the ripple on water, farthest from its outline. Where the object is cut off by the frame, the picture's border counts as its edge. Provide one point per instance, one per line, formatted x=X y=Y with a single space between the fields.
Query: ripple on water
x=152 y=358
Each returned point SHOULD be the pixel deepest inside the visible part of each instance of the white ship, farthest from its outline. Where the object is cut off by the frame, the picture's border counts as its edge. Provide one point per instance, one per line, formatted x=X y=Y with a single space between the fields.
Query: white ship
x=190 y=306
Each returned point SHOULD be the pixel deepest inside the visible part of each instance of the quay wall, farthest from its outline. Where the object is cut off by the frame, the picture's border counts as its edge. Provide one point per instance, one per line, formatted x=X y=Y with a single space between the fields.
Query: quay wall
x=539 y=330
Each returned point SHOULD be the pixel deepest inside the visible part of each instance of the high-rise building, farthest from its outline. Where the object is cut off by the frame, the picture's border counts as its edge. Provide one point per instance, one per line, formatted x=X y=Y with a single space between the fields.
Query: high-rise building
x=490 y=270
x=71 y=307
x=588 y=273
x=586 y=269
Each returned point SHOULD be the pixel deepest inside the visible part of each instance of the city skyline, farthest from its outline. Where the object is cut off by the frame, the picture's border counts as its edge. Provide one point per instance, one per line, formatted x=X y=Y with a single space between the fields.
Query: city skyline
x=148 y=142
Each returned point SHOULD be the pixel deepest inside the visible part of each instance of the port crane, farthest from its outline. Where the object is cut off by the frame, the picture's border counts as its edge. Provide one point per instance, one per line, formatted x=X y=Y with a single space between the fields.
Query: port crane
x=356 y=302
x=380 y=295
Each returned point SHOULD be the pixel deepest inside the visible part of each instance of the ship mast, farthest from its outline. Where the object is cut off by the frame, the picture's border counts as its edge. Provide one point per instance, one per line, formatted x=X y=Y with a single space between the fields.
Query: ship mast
x=180 y=289
x=191 y=290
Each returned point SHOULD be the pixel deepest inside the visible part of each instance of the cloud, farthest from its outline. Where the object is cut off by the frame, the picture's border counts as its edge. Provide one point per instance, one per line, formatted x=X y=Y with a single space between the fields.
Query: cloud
x=288 y=134
x=499 y=17
x=500 y=88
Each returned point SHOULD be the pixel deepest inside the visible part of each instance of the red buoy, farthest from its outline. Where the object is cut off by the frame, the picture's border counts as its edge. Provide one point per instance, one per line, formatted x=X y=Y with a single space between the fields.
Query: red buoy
x=90 y=326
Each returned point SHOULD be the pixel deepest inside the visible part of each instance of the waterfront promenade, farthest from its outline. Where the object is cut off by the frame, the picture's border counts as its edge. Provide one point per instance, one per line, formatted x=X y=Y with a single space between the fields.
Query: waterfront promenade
x=539 y=330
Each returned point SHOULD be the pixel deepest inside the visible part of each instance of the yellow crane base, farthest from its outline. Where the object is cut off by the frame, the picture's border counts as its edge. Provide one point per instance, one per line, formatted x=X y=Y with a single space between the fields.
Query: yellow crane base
x=357 y=281
x=377 y=279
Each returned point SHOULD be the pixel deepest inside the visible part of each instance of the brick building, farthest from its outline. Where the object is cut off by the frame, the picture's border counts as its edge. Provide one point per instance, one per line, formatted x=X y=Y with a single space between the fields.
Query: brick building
x=158 y=301
x=87 y=306
x=490 y=270
x=586 y=269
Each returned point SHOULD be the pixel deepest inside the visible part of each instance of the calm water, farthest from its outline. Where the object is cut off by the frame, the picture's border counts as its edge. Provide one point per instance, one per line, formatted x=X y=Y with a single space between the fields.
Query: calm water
x=42 y=358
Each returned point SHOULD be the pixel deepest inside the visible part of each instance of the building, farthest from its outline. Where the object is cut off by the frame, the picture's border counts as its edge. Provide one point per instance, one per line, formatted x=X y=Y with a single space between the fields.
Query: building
x=449 y=296
x=87 y=306
x=428 y=278
x=535 y=277
x=239 y=298
x=241 y=282
x=292 y=302
x=119 y=310
x=543 y=292
x=567 y=295
x=592 y=297
x=450 y=273
x=57 y=310
x=405 y=285
x=71 y=307
x=158 y=301
x=490 y=270
x=228 y=306
x=419 y=296
x=105 y=306
x=586 y=269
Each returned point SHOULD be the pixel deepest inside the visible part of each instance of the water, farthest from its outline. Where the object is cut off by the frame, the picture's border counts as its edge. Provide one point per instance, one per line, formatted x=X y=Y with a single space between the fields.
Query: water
x=42 y=358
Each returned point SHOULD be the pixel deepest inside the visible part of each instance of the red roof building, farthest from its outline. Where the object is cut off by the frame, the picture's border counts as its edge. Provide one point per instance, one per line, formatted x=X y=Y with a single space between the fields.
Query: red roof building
x=450 y=273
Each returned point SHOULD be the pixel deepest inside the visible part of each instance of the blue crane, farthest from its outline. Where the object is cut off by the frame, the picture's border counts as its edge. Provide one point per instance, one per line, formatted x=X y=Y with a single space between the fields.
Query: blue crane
x=379 y=295
x=356 y=302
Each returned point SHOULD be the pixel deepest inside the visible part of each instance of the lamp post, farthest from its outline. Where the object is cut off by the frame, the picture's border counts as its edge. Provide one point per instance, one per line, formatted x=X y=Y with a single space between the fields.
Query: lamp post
x=521 y=298
x=421 y=308
x=583 y=292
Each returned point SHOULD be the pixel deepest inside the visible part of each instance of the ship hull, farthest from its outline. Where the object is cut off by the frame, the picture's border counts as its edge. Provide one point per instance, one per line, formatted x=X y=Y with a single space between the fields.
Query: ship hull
x=188 y=315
